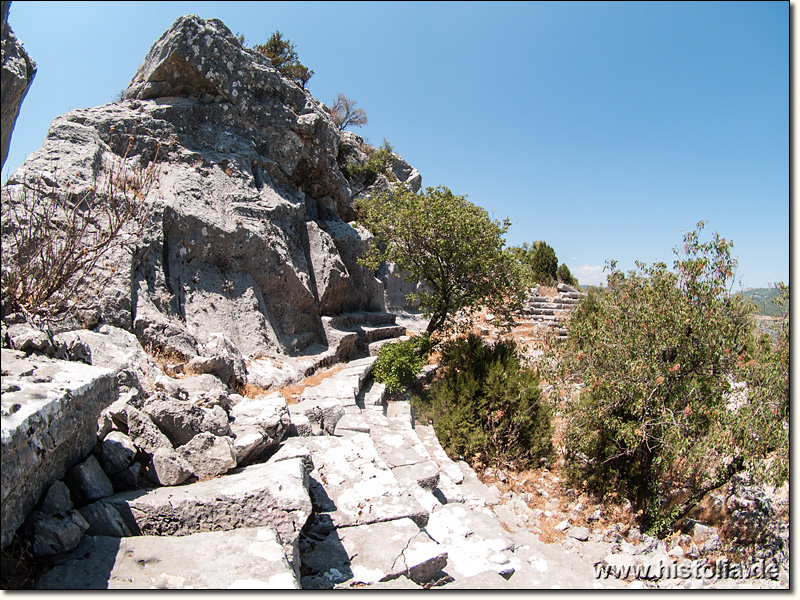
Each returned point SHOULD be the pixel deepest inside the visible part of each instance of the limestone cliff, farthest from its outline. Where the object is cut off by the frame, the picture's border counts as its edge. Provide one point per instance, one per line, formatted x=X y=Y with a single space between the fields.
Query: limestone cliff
x=250 y=230
x=17 y=76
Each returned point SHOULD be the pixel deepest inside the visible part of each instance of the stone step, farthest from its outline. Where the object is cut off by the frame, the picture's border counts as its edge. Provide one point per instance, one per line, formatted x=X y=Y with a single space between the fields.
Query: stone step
x=563 y=287
x=343 y=386
x=376 y=333
x=371 y=394
x=251 y=558
x=348 y=320
x=550 y=566
x=254 y=496
x=368 y=554
x=540 y=311
x=474 y=540
x=349 y=482
x=374 y=348
x=427 y=436
x=352 y=421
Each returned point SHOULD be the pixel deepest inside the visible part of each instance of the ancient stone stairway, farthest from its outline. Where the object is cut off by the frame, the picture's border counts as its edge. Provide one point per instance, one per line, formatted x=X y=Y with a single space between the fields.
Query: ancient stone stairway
x=363 y=496
x=391 y=510
x=551 y=311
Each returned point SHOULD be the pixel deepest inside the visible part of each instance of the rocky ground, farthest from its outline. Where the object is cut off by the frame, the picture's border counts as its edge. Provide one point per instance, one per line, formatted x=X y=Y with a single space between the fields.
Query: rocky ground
x=328 y=483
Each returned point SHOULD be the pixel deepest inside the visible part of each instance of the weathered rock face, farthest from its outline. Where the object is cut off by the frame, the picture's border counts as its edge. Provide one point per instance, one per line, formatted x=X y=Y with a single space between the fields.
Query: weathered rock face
x=17 y=76
x=249 y=231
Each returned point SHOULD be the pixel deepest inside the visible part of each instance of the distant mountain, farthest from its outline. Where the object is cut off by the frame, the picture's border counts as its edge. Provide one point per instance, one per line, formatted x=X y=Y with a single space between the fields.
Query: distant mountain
x=763 y=298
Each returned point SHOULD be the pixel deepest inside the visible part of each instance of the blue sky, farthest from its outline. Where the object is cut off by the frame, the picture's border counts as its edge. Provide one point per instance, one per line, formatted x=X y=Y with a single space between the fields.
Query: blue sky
x=605 y=129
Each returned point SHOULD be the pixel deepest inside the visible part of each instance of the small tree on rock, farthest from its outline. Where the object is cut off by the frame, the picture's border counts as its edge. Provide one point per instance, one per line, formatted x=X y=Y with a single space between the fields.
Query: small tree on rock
x=345 y=113
x=284 y=58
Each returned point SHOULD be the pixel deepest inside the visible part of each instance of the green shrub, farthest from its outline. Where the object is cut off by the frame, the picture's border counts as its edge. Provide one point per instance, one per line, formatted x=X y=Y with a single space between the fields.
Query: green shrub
x=656 y=352
x=398 y=364
x=488 y=407
x=380 y=162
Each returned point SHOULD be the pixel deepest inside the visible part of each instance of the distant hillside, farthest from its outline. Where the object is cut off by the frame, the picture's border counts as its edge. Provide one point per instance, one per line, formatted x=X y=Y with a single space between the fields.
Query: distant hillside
x=763 y=298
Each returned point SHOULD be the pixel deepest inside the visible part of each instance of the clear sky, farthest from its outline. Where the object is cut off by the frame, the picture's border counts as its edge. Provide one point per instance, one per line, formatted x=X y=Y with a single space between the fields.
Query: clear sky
x=605 y=129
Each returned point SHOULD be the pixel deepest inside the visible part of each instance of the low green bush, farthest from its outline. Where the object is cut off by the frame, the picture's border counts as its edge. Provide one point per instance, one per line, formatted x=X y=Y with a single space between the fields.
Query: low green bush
x=379 y=162
x=398 y=364
x=488 y=407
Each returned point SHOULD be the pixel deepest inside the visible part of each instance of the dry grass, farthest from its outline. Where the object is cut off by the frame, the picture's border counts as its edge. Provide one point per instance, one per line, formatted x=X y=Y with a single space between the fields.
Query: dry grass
x=547 y=291
x=164 y=356
x=293 y=392
x=251 y=390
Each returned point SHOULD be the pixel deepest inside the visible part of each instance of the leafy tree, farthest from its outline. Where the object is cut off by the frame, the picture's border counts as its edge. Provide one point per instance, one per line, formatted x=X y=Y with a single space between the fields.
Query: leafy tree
x=538 y=261
x=345 y=113
x=656 y=351
x=488 y=407
x=565 y=275
x=284 y=58
x=449 y=244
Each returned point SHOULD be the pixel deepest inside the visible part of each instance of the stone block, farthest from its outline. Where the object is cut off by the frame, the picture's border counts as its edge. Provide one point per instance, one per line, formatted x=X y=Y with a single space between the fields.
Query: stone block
x=237 y=559
x=49 y=422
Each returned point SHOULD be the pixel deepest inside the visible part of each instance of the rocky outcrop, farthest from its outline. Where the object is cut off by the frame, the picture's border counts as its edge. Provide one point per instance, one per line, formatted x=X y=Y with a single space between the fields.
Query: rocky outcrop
x=16 y=79
x=249 y=238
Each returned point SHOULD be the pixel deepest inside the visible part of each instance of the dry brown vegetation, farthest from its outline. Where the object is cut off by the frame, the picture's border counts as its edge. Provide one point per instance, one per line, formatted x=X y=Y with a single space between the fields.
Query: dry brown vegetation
x=293 y=392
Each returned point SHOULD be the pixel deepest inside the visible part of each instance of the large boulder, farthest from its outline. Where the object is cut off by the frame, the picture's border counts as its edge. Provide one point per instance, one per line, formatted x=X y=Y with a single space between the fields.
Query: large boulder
x=16 y=79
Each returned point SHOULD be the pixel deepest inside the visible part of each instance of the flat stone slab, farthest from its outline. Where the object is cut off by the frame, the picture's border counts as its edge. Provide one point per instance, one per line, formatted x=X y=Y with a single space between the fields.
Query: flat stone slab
x=474 y=540
x=367 y=554
x=353 y=420
x=343 y=386
x=258 y=495
x=338 y=389
x=475 y=492
x=397 y=447
x=372 y=394
x=49 y=422
x=549 y=566
x=350 y=482
x=237 y=559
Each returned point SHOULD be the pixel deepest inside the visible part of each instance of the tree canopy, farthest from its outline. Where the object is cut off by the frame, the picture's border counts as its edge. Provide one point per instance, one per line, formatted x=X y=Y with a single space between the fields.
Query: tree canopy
x=284 y=58
x=449 y=244
x=566 y=276
x=539 y=262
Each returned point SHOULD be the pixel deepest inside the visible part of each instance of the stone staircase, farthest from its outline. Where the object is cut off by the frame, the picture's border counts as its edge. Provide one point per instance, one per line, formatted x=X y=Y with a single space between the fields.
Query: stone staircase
x=377 y=504
x=392 y=511
x=348 y=336
x=551 y=311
